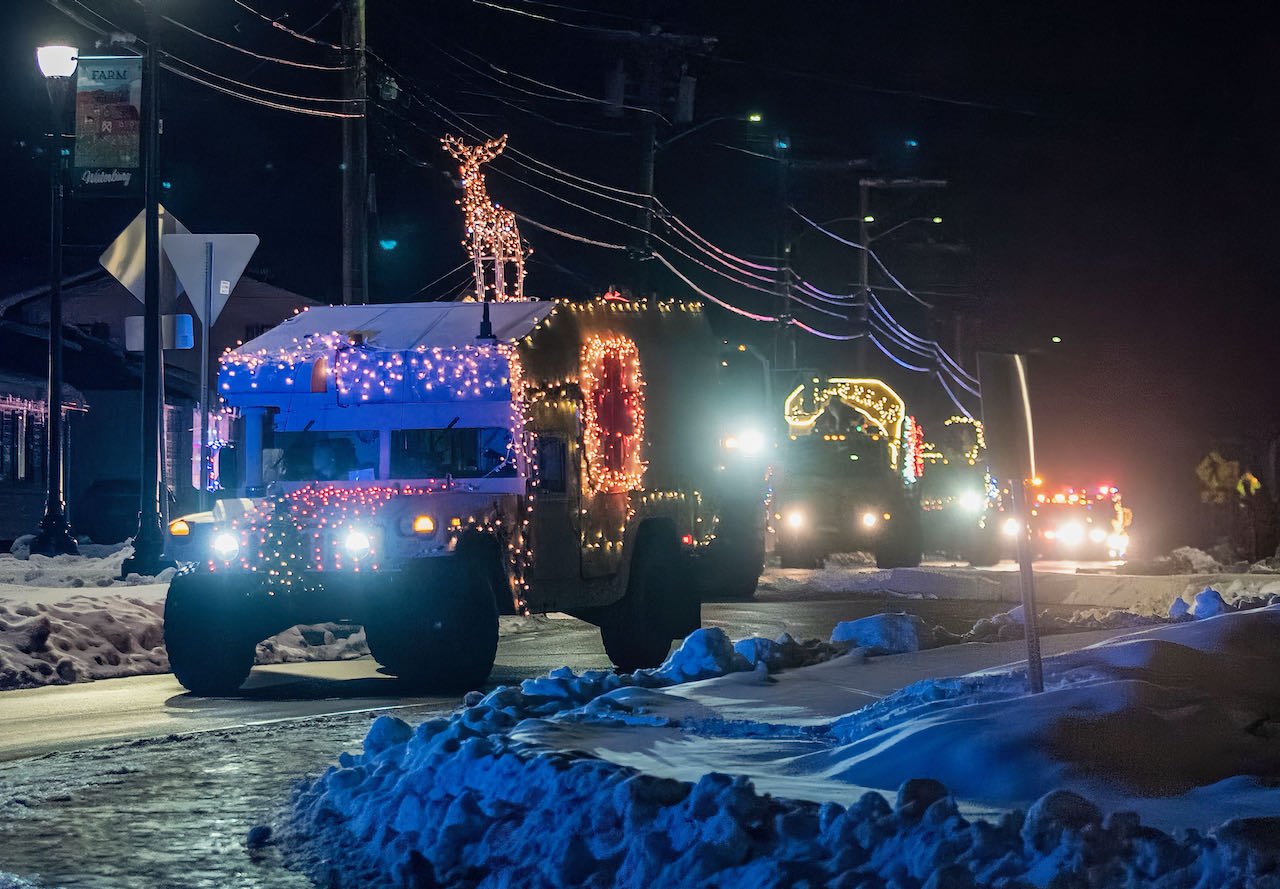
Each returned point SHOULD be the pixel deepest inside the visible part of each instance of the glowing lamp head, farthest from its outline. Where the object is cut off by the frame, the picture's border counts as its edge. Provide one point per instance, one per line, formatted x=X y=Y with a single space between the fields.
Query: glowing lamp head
x=755 y=117
x=424 y=524
x=357 y=544
x=795 y=518
x=179 y=528
x=870 y=520
x=226 y=546
x=58 y=60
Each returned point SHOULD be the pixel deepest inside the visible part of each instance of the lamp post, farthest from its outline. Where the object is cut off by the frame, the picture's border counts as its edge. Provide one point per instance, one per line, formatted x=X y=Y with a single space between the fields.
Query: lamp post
x=57 y=64
x=148 y=540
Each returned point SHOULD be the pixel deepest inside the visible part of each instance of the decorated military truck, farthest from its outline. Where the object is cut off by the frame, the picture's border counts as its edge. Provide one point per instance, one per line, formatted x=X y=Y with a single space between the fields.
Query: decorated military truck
x=965 y=514
x=847 y=475
x=404 y=473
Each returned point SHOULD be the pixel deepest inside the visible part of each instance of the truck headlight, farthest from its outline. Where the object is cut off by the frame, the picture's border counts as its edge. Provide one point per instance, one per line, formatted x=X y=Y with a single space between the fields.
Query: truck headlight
x=1011 y=527
x=1118 y=543
x=226 y=546
x=1071 y=533
x=971 y=501
x=795 y=518
x=870 y=519
x=357 y=544
x=748 y=442
x=1097 y=535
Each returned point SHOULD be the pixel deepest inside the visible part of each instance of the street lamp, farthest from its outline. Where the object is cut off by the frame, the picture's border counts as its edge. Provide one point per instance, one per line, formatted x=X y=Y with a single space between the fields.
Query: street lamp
x=57 y=64
x=754 y=117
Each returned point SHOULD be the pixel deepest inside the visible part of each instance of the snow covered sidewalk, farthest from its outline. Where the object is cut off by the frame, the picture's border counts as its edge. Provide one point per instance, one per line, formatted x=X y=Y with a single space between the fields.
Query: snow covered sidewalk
x=580 y=780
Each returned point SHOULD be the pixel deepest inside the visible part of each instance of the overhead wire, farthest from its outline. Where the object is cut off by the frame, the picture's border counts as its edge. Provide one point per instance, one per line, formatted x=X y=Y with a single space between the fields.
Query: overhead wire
x=248 y=52
x=260 y=89
x=275 y=23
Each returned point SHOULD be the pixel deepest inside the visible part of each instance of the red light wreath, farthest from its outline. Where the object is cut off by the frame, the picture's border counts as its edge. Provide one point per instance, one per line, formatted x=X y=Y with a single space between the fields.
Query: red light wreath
x=613 y=395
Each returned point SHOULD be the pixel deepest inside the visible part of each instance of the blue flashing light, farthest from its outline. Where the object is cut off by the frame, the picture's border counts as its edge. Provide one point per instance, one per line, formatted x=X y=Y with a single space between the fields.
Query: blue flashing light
x=388 y=243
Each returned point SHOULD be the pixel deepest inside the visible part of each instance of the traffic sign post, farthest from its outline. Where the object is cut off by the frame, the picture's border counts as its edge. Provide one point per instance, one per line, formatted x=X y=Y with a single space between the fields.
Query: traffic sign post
x=1006 y=419
x=208 y=265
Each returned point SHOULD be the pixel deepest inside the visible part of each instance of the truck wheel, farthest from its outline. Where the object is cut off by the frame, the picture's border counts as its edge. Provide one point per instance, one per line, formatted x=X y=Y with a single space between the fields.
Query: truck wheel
x=729 y=573
x=439 y=633
x=798 y=557
x=984 y=550
x=653 y=612
x=904 y=547
x=209 y=632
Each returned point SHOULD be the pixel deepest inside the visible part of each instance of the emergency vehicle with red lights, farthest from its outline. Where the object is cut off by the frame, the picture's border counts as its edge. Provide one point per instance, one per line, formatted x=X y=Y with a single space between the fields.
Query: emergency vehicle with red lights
x=402 y=472
x=1079 y=523
x=847 y=475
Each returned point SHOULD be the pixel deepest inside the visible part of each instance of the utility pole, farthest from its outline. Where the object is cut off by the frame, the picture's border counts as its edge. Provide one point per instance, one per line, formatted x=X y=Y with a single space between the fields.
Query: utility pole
x=864 y=279
x=355 y=159
x=865 y=239
x=148 y=541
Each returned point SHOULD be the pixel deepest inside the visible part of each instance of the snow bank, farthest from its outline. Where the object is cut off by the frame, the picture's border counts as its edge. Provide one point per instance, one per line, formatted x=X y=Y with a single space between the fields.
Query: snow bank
x=889 y=633
x=465 y=801
x=79 y=639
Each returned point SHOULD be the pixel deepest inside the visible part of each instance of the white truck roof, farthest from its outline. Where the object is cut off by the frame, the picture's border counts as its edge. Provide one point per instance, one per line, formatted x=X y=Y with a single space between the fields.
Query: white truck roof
x=400 y=326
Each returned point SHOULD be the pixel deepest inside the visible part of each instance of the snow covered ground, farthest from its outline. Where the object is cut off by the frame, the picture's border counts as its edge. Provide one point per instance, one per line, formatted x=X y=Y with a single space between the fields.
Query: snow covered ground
x=656 y=778
x=72 y=619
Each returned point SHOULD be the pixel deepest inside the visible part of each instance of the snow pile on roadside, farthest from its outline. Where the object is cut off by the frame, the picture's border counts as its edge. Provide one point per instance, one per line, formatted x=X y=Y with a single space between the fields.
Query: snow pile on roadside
x=79 y=639
x=461 y=801
x=314 y=642
x=21 y=574
x=891 y=633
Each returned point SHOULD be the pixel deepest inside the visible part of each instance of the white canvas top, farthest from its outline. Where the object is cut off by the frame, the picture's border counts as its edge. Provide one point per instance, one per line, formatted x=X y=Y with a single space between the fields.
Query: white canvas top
x=403 y=326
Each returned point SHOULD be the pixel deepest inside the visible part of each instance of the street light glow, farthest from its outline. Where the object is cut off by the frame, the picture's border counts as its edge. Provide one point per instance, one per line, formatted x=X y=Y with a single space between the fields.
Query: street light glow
x=868 y=218
x=57 y=60
x=937 y=220
x=755 y=117
x=1055 y=339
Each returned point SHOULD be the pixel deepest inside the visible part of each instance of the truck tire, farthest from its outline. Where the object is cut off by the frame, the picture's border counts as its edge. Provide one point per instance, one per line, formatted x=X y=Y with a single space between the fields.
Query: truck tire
x=730 y=572
x=210 y=632
x=440 y=633
x=903 y=547
x=659 y=605
x=983 y=550
x=798 y=557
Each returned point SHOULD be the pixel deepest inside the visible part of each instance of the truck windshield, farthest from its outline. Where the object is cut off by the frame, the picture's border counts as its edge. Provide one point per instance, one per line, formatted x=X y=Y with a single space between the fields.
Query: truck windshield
x=322 y=456
x=855 y=455
x=462 y=453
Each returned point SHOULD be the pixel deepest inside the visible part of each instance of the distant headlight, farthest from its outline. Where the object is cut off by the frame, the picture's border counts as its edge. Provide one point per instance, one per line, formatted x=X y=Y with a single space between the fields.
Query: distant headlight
x=869 y=519
x=357 y=544
x=1011 y=527
x=748 y=442
x=1097 y=535
x=971 y=501
x=1118 y=543
x=1071 y=533
x=795 y=518
x=179 y=528
x=226 y=546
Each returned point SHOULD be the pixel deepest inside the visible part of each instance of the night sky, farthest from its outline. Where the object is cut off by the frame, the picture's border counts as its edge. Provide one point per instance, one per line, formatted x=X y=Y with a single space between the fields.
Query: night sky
x=1111 y=182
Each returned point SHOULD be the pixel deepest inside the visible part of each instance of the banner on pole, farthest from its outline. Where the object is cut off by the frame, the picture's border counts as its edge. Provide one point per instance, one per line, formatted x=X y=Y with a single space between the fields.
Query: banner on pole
x=107 y=152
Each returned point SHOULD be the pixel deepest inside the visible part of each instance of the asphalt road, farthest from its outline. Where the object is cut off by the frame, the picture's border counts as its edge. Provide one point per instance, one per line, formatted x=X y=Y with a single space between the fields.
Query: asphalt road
x=60 y=718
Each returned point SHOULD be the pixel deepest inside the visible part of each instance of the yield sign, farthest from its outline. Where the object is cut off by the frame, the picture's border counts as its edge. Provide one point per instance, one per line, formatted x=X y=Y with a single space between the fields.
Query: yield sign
x=191 y=255
x=125 y=259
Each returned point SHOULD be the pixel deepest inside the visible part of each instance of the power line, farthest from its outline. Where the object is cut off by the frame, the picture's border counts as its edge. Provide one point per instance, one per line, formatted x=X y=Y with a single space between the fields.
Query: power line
x=248 y=52
x=259 y=89
x=275 y=23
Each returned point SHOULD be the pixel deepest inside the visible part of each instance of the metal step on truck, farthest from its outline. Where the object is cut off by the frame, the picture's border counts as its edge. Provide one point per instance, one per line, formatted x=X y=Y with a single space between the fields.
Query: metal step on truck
x=401 y=472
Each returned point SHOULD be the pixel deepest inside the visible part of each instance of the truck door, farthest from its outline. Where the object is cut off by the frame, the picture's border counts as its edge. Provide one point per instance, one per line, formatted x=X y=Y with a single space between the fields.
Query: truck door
x=555 y=527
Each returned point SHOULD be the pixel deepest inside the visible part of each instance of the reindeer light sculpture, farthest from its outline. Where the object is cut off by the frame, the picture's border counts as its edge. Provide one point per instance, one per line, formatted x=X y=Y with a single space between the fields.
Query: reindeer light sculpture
x=493 y=236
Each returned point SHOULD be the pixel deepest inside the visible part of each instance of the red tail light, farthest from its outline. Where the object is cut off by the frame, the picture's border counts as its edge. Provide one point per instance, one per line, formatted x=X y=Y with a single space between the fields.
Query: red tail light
x=686 y=539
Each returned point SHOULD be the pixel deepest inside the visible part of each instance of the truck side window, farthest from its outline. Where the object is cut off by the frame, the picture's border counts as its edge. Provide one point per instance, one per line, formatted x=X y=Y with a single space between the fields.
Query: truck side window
x=551 y=464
